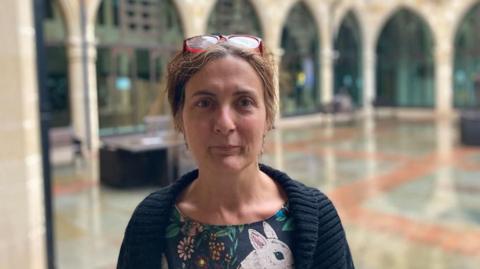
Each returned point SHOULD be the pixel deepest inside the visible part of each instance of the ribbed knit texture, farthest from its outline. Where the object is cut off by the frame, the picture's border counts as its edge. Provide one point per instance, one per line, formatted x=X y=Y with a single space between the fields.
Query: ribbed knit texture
x=319 y=241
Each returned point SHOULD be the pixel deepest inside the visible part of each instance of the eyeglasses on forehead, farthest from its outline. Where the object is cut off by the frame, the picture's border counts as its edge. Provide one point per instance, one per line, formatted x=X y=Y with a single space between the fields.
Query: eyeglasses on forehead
x=201 y=43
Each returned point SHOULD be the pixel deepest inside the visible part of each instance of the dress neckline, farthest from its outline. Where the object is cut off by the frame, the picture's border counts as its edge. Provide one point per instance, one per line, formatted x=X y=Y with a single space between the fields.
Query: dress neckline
x=280 y=212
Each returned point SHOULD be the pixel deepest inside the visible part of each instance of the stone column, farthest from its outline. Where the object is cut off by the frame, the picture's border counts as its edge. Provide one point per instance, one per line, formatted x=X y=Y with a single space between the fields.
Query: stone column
x=443 y=77
x=79 y=97
x=325 y=34
x=82 y=73
x=326 y=76
x=194 y=15
x=22 y=221
x=369 y=65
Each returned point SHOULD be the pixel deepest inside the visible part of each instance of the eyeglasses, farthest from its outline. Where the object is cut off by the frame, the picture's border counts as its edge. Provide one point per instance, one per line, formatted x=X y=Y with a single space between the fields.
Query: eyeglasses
x=198 y=44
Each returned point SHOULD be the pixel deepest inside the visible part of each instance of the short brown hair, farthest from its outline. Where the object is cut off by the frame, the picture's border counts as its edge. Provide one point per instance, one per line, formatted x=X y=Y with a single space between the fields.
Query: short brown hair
x=185 y=64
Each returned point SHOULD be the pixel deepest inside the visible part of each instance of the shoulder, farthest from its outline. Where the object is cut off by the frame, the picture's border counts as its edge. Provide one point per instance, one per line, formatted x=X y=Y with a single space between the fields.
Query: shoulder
x=143 y=235
x=319 y=231
x=143 y=238
x=160 y=202
x=312 y=202
x=306 y=201
x=296 y=190
x=155 y=203
x=150 y=213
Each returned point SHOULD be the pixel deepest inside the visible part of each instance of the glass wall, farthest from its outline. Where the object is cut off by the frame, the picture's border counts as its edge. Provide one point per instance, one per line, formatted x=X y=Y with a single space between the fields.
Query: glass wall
x=57 y=66
x=234 y=17
x=405 y=66
x=299 y=67
x=348 y=59
x=136 y=40
x=466 y=75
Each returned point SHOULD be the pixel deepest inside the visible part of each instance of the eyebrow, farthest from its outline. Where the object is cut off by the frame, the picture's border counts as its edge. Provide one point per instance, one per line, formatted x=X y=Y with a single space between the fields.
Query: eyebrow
x=237 y=92
x=243 y=91
x=203 y=92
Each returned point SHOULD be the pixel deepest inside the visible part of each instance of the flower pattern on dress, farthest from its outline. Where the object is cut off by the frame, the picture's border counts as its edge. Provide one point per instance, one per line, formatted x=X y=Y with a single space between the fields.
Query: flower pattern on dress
x=216 y=249
x=185 y=248
x=192 y=245
x=192 y=228
x=201 y=262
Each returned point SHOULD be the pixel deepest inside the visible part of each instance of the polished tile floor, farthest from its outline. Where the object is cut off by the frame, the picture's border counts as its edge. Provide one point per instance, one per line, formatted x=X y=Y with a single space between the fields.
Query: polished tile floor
x=407 y=191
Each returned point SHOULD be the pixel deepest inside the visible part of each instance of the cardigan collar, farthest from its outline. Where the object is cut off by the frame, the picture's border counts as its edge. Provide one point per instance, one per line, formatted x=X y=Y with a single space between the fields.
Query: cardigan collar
x=304 y=206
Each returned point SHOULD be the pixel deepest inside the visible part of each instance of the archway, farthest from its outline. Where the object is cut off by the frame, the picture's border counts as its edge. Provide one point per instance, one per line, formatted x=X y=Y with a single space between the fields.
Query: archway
x=57 y=65
x=299 y=67
x=348 y=59
x=405 y=65
x=136 y=40
x=466 y=83
x=234 y=17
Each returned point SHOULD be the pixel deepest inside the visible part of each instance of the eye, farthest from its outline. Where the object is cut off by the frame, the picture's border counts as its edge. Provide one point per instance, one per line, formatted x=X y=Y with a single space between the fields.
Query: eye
x=245 y=102
x=279 y=255
x=203 y=103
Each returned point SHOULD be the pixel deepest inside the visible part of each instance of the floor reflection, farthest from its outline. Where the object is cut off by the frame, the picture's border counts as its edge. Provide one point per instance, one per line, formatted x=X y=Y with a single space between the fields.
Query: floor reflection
x=407 y=191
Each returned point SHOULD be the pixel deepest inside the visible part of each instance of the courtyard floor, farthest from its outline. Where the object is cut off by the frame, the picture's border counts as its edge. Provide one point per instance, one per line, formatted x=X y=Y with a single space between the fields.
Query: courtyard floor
x=408 y=193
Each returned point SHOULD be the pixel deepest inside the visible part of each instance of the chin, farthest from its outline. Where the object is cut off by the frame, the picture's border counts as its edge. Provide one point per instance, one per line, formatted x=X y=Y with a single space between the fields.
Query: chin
x=232 y=164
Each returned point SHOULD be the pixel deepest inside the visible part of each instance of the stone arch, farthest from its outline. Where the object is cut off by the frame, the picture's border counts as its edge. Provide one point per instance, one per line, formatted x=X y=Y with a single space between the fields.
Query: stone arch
x=386 y=17
x=220 y=19
x=282 y=10
x=193 y=25
x=466 y=57
x=299 y=65
x=405 y=70
x=91 y=12
x=57 y=77
x=460 y=14
x=257 y=7
x=68 y=11
x=348 y=64
x=133 y=50
x=342 y=12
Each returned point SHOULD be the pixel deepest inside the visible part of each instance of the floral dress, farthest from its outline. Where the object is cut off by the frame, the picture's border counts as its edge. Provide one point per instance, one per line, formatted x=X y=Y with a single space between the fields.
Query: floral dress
x=262 y=244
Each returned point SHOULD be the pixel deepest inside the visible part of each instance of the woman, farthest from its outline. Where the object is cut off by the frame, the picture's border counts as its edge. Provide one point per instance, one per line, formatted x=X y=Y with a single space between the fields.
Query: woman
x=232 y=212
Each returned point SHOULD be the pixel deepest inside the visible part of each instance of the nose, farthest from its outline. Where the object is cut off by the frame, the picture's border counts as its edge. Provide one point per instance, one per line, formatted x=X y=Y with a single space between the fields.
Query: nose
x=224 y=122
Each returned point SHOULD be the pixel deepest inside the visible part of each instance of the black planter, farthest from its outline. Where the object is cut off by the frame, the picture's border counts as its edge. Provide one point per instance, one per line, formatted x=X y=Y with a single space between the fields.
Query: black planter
x=470 y=127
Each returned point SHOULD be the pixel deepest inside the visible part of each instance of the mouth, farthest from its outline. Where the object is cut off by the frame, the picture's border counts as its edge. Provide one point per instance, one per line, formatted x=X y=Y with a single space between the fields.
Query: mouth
x=225 y=149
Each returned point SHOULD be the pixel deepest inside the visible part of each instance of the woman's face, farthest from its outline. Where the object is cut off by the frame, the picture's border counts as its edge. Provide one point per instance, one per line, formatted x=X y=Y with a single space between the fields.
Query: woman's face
x=224 y=115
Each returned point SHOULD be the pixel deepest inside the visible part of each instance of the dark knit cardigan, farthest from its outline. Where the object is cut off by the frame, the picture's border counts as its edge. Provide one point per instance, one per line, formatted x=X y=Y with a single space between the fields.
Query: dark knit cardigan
x=319 y=238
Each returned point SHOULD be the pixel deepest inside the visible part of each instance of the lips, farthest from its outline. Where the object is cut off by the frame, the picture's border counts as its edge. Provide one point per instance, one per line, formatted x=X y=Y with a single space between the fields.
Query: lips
x=225 y=149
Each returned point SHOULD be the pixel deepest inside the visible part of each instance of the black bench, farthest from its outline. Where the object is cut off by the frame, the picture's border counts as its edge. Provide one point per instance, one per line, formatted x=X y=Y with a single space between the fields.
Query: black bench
x=139 y=160
x=470 y=127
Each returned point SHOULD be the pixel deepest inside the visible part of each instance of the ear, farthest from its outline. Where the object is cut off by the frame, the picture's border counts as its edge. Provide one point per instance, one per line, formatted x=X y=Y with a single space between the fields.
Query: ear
x=257 y=240
x=269 y=231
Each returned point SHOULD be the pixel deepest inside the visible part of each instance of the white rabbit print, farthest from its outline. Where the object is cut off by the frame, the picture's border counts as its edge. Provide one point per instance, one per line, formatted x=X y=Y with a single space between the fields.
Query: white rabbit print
x=269 y=252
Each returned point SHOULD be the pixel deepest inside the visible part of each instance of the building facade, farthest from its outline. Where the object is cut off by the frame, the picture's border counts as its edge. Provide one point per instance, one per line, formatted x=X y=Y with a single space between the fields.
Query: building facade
x=108 y=57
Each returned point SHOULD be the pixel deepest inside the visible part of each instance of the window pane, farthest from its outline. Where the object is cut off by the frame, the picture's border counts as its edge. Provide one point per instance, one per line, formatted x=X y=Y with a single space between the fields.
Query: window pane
x=466 y=76
x=234 y=17
x=405 y=70
x=348 y=60
x=299 y=67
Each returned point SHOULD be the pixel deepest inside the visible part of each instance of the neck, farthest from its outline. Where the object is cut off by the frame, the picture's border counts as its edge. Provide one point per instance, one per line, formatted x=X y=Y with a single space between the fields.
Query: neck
x=231 y=192
x=228 y=191
x=231 y=197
